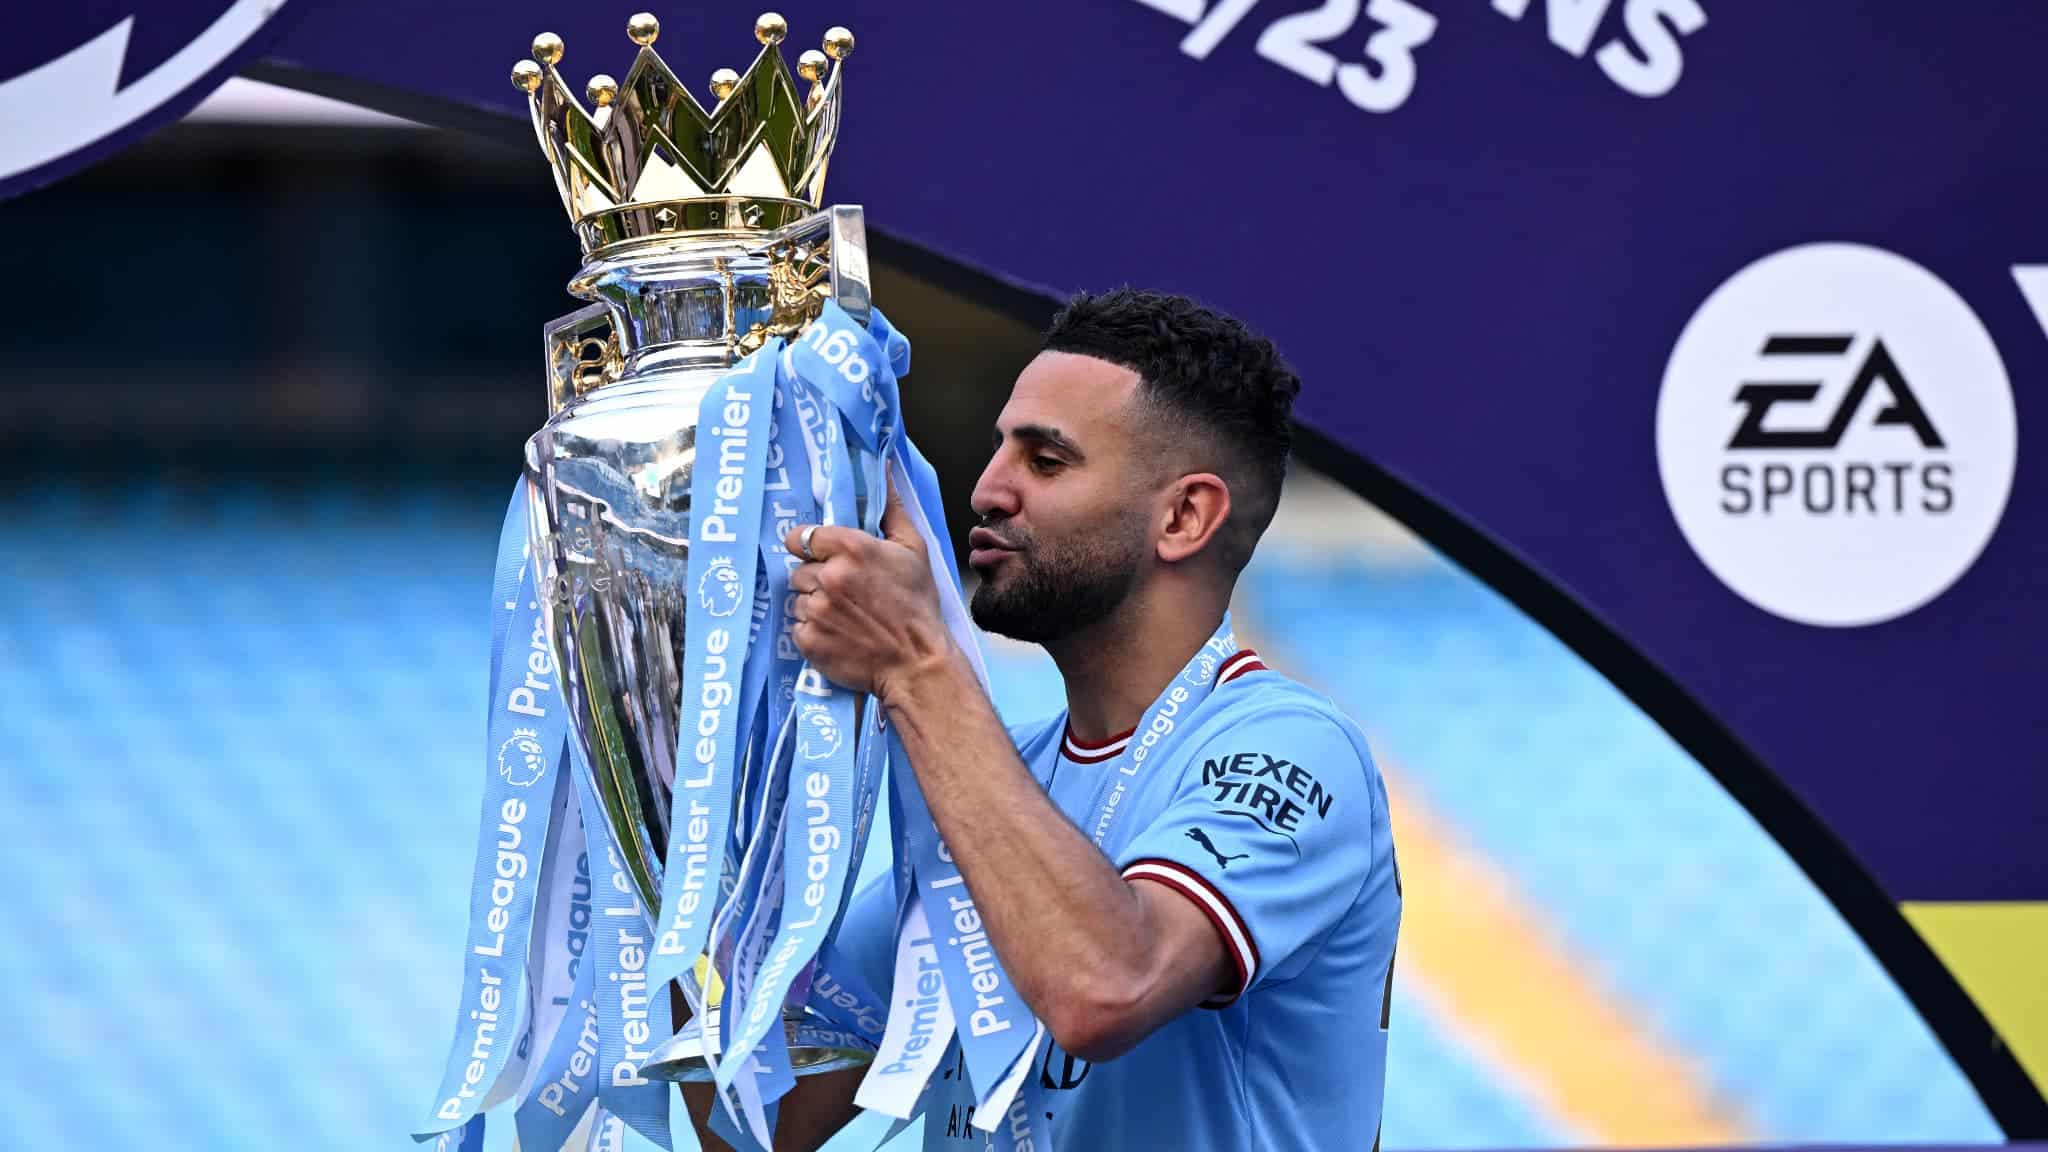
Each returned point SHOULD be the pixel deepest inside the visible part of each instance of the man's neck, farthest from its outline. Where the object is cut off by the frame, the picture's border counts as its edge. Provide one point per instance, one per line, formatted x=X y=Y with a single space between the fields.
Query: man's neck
x=1117 y=667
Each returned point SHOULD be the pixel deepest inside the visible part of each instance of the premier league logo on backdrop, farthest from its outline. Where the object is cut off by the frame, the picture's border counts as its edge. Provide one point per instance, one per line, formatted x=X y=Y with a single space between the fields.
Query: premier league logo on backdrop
x=818 y=733
x=719 y=590
x=77 y=79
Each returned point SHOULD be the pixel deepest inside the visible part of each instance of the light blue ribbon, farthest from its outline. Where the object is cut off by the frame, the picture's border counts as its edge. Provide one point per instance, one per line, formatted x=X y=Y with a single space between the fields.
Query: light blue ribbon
x=527 y=723
x=863 y=387
x=996 y=1030
x=816 y=750
x=775 y=661
x=740 y=933
x=1124 y=779
x=995 y=1024
x=725 y=518
x=632 y=1009
x=566 y=1083
x=840 y=995
x=468 y=1138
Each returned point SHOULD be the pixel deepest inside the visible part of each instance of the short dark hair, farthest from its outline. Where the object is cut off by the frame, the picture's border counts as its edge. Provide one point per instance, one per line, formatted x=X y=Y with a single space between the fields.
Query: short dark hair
x=1200 y=371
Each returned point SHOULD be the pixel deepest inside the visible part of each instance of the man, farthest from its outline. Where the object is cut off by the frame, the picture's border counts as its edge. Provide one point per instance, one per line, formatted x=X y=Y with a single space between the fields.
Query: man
x=1222 y=981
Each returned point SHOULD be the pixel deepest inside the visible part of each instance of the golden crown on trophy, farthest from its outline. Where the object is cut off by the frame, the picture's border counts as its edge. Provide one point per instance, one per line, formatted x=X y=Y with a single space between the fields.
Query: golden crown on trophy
x=651 y=160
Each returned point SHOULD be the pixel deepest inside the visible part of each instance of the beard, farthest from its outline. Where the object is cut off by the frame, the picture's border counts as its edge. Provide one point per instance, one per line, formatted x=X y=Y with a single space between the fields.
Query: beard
x=1042 y=593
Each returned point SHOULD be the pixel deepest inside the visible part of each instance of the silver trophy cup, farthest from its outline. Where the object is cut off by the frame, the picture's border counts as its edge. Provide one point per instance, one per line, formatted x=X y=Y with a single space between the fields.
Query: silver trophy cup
x=702 y=237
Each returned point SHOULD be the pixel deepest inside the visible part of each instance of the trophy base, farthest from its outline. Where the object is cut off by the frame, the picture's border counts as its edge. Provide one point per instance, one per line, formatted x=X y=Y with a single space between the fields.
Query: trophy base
x=815 y=1047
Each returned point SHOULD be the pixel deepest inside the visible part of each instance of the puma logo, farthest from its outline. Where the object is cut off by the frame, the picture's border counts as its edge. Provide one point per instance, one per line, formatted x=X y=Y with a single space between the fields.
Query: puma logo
x=1222 y=861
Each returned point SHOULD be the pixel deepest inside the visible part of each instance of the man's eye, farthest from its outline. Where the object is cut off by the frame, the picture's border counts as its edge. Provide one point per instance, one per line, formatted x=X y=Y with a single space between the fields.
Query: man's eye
x=1047 y=463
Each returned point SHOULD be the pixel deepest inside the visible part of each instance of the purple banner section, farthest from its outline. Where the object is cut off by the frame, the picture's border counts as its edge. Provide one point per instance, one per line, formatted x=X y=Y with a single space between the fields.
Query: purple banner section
x=1481 y=246
x=1487 y=233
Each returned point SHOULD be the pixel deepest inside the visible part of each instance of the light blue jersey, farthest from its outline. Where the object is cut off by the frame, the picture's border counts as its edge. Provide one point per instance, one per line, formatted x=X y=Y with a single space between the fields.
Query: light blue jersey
x=1278 y=833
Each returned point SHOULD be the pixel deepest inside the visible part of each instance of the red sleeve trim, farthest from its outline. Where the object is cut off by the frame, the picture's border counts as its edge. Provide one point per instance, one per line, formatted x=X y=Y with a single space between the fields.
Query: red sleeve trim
x=1237 y=939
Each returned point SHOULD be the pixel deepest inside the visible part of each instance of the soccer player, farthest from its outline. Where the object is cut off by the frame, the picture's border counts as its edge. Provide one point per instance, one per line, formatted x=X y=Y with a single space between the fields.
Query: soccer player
x=1222 y=981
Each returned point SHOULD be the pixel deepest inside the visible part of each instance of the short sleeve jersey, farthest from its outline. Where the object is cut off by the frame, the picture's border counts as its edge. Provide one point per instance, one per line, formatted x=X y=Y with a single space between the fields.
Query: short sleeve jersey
x=1278 y=833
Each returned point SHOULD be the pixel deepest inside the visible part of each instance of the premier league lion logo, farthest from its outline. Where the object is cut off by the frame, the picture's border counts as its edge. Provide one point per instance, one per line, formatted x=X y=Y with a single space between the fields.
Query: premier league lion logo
x=818 y=733
x=521 y=760
x=719 y=590
x=1205 y=667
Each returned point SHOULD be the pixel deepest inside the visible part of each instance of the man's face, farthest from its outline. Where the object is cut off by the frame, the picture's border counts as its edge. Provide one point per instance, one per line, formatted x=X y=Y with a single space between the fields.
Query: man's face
x=1064 y=501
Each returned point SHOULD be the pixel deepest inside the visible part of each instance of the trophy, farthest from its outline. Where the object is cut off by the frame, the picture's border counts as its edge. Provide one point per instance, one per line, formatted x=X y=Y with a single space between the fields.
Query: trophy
x=703 y=236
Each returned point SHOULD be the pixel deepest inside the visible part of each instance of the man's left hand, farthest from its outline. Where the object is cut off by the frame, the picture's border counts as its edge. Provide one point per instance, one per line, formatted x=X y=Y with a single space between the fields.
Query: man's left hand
x=867 y=610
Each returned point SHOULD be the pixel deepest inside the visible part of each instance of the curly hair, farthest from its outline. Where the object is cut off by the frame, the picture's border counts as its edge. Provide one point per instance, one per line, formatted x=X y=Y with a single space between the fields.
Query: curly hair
x=1204 y=373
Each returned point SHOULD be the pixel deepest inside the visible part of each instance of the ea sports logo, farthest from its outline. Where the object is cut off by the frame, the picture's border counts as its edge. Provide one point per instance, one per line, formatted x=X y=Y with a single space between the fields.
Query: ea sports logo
x=719 y=588
x=1835 y=434
x=818 y=732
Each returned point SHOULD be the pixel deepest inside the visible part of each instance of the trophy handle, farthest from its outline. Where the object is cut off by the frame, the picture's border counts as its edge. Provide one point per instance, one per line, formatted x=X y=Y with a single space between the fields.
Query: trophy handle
x=841 y=231
x=851 y=288
x=582 y=352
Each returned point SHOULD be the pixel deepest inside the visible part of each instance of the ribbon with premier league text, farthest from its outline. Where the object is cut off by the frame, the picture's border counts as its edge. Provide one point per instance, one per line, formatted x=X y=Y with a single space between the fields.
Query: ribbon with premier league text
x=522 y=751
x=946 y=971
x=835 y=419
x=818 y=749
x=725 y=521
x=778 y=772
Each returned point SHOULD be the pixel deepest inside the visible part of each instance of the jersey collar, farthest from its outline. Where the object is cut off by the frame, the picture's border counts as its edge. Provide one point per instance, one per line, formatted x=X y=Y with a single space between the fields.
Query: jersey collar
x=1073 y=748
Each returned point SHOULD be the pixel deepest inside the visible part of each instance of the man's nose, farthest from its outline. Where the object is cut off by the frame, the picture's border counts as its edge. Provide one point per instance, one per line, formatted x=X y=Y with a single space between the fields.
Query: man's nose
x=994 y=495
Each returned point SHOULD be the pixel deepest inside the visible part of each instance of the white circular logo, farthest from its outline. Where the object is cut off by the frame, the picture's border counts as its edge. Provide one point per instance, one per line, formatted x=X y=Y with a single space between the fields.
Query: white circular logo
x=819 y=737
x=521 y=759
x=719 y=589
x=1835 y=434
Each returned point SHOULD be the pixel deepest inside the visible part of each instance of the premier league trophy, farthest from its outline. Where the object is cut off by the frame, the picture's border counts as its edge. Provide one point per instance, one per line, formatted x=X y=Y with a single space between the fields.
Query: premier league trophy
x=729 y=381
x=704 y=238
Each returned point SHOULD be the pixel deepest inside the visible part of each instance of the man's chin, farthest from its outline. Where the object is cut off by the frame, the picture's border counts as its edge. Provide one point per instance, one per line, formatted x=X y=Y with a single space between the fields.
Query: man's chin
x=992 y=614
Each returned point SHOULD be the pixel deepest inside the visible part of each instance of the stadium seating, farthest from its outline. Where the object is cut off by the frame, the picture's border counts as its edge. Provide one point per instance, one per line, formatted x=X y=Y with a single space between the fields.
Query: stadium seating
x=244 y=731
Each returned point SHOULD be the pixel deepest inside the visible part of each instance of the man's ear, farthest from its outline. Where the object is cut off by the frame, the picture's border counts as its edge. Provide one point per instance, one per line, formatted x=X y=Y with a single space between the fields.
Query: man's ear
x=1198 y=505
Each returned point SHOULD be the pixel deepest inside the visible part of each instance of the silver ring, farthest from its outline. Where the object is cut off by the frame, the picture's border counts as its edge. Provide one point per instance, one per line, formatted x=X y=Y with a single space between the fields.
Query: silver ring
x=803 y=543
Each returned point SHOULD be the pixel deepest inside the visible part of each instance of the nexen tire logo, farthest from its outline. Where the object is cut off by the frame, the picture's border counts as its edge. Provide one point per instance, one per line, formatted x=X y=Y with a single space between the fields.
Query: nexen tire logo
x=1835 y=435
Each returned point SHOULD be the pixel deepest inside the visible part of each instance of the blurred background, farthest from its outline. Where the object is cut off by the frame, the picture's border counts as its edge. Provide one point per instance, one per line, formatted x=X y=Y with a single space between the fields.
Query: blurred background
x=265 y=393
